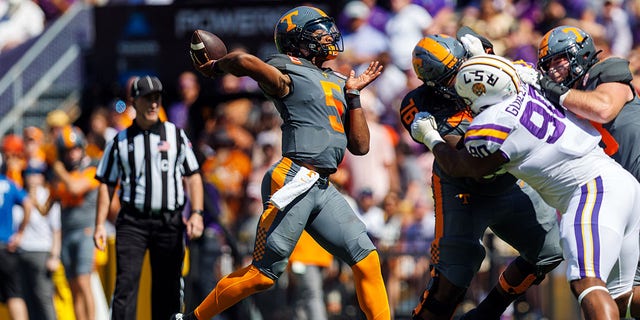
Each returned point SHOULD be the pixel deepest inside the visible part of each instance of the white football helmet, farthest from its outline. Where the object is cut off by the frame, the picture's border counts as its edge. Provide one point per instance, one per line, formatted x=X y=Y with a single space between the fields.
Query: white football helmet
x=485 y=80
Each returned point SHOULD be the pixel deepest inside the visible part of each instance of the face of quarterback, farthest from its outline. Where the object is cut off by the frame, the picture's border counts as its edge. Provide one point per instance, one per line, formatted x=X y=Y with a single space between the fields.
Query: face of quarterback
x=147 y=109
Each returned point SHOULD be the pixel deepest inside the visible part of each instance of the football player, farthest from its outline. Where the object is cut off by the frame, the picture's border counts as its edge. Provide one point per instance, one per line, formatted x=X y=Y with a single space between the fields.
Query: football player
x=557 y=153
x=322 y=117
x=601 y=91
x=465 y=207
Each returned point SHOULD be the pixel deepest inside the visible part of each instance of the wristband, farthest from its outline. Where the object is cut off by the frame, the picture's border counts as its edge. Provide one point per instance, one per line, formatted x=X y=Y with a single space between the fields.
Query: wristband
x=353 y=102
x=354 y=92
x=562 y=97
x=431 y=139
x=198 y=212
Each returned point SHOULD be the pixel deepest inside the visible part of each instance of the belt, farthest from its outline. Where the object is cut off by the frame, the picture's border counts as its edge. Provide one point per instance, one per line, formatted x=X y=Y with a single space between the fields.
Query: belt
x=152 y=214
x=323 y=172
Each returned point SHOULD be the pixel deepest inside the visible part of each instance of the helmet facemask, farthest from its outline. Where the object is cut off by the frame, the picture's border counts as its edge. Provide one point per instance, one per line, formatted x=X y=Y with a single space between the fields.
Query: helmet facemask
x=306 y=40
x=312 y=36
x=572 y=43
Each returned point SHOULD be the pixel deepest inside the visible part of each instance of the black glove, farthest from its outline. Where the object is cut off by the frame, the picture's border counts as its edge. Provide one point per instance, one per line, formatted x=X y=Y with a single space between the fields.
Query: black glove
x=552 y=90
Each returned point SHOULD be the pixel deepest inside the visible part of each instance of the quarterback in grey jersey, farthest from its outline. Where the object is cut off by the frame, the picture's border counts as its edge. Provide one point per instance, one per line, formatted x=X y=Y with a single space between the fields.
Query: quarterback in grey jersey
x=321 y=117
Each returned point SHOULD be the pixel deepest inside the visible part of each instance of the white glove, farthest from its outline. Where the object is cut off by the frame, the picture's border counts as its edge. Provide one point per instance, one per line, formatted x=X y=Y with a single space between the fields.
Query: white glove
x=528 y=75
x=425 y=129
x=473 y=45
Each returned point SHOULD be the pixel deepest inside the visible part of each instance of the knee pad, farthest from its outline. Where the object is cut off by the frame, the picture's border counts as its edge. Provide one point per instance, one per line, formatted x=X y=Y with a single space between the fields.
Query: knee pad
x=534 y=275
x=428 y=302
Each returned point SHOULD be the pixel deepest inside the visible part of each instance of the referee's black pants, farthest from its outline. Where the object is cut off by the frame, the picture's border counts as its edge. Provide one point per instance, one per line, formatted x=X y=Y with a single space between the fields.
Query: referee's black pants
x=163 y=236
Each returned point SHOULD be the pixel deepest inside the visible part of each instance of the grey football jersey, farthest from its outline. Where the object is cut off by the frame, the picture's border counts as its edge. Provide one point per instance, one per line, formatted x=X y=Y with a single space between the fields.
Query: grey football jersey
x=620 y=136
x=313 y=113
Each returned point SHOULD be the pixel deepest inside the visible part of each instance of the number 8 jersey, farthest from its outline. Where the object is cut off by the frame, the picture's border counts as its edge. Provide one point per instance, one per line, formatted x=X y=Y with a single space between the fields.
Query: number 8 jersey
x=553 y=151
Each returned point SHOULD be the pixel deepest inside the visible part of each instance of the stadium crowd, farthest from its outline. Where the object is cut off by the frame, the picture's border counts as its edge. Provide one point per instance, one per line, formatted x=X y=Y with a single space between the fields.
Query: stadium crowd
x=236 y=135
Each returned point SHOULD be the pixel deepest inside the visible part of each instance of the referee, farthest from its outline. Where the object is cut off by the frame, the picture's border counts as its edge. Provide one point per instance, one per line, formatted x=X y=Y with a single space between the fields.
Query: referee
x=149 y=160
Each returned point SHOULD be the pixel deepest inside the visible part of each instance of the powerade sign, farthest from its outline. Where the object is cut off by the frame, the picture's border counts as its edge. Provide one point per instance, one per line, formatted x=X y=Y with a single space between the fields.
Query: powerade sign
x=134 y=40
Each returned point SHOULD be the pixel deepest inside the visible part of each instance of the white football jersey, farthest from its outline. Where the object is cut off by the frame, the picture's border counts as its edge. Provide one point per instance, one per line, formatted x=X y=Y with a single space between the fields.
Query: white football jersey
x=552 y=151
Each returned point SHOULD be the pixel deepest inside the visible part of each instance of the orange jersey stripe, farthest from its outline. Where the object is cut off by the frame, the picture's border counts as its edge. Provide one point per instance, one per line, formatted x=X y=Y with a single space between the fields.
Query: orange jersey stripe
x=269 y=215
x=439 y=219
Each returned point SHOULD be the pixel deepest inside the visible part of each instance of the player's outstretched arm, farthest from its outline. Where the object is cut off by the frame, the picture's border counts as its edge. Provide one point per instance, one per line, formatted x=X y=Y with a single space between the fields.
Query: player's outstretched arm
x=357 y=129
x=459 y=163
x=600 y=105
x=241 y=64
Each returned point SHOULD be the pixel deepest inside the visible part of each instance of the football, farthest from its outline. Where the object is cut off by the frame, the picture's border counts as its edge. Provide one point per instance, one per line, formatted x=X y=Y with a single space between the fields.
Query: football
x=206 y=46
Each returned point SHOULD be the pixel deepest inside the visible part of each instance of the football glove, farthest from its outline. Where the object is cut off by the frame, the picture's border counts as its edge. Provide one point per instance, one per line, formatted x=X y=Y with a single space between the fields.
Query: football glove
x=425 y=130
x=555 y=92
x=472 y=44
x=528 y=75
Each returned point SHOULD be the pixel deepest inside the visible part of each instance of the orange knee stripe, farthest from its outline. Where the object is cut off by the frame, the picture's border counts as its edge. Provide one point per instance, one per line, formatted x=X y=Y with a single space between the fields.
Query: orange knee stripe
x=370 y=288
x=231 y=289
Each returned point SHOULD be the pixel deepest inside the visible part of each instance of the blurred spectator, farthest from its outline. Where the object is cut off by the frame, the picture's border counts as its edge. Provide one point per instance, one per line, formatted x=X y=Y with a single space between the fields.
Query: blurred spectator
x=40 y=256
x=53 y=9
x=55 y=121
x=76 y=188
x=377 y=18
x=20 y=20
x=10 y=240
x=14 y=158
x=387 y=240
x=377 y=170
x=445 y=21
x=369 y=212
x=415 y=180
x=495 y=20
x=268 y=147
x=589 y=23
x=100 y=131
x=33 y=146
x=362 y=42
x=520 y=42
x=306 y=265
x=552 y=15
x=419 y=229
x=617 y=28
x=236 y=118
x=575 y=8
x=406 y=26
x=228 y=168
x=189 y=91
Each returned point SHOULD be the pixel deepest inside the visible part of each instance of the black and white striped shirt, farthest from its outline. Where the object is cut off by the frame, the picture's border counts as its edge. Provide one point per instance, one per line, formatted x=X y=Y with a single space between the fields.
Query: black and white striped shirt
x=150 y=165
